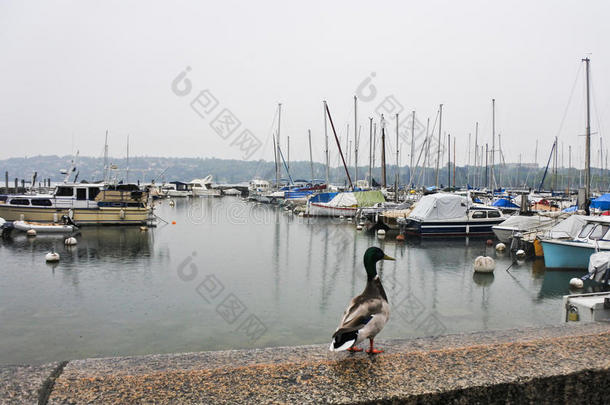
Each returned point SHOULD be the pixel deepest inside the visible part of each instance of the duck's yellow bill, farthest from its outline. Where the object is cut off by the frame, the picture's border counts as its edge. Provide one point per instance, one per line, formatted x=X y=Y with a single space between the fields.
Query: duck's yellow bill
x=386 y=257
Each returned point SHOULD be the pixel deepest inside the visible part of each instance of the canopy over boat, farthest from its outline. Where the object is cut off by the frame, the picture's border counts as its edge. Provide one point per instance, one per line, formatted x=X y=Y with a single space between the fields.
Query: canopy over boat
x=440 y=206
x=569 y=228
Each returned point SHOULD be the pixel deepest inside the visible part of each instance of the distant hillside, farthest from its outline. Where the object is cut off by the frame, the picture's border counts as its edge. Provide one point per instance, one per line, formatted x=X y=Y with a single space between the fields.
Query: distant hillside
x=145 y=169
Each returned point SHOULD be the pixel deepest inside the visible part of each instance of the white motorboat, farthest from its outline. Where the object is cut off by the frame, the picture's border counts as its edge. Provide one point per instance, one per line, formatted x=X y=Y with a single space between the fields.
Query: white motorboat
x=40 y=227
x=203 y=187
x=444 y=214
x=520 y=224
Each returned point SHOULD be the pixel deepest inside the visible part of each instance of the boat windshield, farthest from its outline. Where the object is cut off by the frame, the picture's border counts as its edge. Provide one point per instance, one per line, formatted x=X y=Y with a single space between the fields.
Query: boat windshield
x=586 y=230
x=599 y=232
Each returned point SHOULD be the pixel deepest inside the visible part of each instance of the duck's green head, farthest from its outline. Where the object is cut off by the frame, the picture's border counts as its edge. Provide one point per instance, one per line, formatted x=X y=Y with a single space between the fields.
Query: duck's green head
x=371 y=257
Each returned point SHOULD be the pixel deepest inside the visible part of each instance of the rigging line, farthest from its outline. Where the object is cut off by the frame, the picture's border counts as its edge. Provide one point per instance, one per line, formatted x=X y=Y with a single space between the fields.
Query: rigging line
x=270 y=133
x=565 y=112
x=597 y=116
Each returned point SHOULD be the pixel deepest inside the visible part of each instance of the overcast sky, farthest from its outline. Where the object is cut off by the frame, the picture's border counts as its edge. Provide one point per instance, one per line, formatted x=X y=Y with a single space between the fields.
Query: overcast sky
x=70 y=70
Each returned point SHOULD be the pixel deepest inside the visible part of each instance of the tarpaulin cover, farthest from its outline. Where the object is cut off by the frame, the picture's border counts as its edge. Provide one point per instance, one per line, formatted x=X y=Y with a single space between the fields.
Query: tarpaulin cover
x=504 y=203
x=440 y=206
x=568 y=228
x=601 y=202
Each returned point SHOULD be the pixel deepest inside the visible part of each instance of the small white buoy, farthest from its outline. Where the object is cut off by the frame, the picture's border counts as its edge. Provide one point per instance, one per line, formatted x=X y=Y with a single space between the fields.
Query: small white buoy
x=301 y=214
x=500 y=247
x=52 y=257
x=381 y=232
x=484 y=264
x=71 y=241
x=576 y=283
x=171 y=203
x=31 y=232
x=520 y=254
x=144 y=228
x=359 y=227
x=349 y=219
x=361 y=223
x=341 y=217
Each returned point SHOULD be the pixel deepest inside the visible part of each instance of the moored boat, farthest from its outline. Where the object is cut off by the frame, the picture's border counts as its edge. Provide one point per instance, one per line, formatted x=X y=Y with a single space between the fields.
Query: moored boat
x=574 y=253
x=445 y=214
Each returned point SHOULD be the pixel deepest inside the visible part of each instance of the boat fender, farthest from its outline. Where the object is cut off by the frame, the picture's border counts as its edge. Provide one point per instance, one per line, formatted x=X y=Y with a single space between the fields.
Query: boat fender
x=520 y=254
x=500 y=247
x=55 y=217
x=71 y=241
x=484 y=264
x=31 y=232
x=52 y=257
x=122 y=214
x=576 y=283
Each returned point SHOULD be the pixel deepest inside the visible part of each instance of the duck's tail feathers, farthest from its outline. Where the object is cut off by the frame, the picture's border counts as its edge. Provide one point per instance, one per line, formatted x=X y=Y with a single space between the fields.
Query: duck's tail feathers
x=343 y=340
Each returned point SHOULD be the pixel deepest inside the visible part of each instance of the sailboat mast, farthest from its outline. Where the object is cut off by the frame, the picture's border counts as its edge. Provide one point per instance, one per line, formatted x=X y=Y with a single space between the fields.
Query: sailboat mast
x=277 y=143
x=374 y=143
x=438 y=149
x=412 y=143
x=332 y=125
x=127 y=171
x=396 y=173
x=106 y=158
x=383 y=179
x=370 y=150
x=326 y=143
x=476 y=154
x=310 y=155
x=588 y=139
x=356 y=136
x=448 y=160
x=493 y=141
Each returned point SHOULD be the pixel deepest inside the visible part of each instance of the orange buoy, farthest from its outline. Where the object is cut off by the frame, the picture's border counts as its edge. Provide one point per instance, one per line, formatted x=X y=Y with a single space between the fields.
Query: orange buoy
x=400 y=236
x=173 y=222
x=489 y=242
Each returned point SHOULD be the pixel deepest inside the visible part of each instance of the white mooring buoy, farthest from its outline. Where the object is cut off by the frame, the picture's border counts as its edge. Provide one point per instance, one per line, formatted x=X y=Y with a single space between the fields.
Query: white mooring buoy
x=71 y=241
x=576 y=283
x=359 y=227
x=341 y=217
x=520 y=254
x=31 y=232
x=500 y=247
x=381 y=233
x=52 y=257
x=484 y=264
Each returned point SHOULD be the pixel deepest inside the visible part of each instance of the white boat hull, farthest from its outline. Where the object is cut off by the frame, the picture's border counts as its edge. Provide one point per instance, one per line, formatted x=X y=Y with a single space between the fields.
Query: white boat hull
x=323 y=210
x=42 y=228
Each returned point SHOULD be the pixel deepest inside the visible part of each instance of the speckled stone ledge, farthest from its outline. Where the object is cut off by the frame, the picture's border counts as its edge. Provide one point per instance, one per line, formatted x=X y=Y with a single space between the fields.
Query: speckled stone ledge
x=562 y=364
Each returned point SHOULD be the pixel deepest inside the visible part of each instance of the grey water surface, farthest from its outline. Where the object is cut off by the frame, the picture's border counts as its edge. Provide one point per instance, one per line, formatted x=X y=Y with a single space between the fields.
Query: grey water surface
x=232 y=274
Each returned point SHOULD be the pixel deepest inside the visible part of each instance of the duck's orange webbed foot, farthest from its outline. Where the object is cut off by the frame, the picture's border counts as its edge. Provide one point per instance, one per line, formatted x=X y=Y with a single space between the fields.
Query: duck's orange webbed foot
x=372 y=350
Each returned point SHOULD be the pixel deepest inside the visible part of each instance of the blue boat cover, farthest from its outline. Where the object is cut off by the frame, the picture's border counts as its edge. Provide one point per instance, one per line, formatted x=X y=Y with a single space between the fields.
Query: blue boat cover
x=601 y=202
x=504 y=203
x=322 y=197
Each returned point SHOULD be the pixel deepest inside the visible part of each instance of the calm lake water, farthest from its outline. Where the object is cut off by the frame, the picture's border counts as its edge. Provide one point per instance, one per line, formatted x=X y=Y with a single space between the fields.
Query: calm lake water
x=232 y=274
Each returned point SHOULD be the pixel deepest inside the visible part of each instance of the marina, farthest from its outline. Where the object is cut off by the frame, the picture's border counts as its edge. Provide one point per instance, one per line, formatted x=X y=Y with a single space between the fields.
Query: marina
x=313 y=203
x=123 y=291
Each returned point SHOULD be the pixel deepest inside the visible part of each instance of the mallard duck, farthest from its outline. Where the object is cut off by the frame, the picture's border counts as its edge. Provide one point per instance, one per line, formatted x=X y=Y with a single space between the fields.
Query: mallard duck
x=367 y=313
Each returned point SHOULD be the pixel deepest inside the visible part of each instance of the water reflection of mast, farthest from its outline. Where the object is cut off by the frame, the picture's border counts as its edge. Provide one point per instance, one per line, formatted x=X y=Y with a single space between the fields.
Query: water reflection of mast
x=276 y=256
x=324 y=265
x=309 y=254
